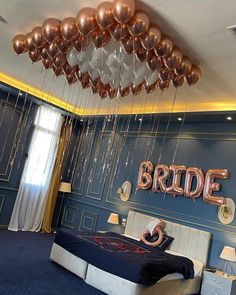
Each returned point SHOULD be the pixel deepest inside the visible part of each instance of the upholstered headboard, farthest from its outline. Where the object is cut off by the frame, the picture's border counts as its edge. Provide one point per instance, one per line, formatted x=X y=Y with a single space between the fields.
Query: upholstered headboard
x=188 y=241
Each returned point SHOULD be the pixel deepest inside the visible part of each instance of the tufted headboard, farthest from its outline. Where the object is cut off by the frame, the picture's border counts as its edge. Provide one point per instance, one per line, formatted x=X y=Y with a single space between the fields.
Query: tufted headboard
x=188 y=241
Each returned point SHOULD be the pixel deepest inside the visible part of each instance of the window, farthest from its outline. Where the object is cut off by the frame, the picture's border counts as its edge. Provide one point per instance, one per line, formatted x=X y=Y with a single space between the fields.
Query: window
x=46 y=126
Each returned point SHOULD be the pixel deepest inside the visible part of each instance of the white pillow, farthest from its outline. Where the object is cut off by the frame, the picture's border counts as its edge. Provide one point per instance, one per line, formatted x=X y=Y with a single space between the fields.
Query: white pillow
x=152 y=225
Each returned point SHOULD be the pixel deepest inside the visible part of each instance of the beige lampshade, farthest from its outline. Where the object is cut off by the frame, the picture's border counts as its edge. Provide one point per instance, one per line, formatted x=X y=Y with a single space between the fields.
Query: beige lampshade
x=228 y=253
x=113 y=218
x=65 y=187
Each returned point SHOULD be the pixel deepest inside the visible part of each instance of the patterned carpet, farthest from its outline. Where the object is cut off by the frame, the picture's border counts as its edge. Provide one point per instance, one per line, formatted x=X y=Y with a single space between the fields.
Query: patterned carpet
x=25 y=268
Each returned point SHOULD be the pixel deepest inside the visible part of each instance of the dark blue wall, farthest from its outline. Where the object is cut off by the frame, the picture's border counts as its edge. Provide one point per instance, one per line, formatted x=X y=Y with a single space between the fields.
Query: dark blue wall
x=98 y=171
x=16 y=115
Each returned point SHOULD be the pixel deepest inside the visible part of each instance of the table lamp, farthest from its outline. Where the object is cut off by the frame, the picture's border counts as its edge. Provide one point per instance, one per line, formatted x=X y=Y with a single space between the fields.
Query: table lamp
x=113 y=218
x=229 y=255
x=64 y=187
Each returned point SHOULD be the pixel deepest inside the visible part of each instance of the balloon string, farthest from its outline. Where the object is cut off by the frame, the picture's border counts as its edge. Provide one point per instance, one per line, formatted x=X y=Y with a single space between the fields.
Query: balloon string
x=167 y=127
x=181 y=130
x=158 y=122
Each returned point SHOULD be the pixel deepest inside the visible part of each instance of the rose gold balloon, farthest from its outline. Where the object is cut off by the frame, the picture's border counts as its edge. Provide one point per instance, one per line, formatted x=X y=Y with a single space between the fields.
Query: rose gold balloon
x=102 y=91
x=95 y=82
x=95 y=89
x=160 y=178
x=29 y=45
x=104 y=15
x=174 y=59
x=165 y=74
x=44 y=53
x=53 y=50
x=68 y=28
x=63 y=45
x=47 y=63
x=68 y=69
x=51 y=29
x=80 y=42
x=60 y=61
x=141 y=54
x=184 y=68
x=145 y=175
x=128 y=44
x=85 y=21
x=151 y=88
x=175 y=188
x=191 y=173
x=112 y=92
x=163 y=85
x=118 y=31
x=57 y=71
x=154 y=62
x=85 y=80
x=123 y=10
x=211 y=186
x=151 y=38
x=177 y=81
x=34 y=55
x=37 y=37
x=139 y=24
x=165 y=46
x=193 y=76
x=124 y=92
x=100 y=38
x=18 y=43
x=71 y=79
x=136 y=90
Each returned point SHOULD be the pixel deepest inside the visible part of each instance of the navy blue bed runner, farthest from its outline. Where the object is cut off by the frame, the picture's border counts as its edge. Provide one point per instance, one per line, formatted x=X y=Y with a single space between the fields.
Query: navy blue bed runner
x=123 y=256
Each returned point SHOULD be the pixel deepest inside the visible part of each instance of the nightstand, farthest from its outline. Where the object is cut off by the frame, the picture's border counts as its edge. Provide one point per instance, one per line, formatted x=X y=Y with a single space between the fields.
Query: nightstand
x=216 y=283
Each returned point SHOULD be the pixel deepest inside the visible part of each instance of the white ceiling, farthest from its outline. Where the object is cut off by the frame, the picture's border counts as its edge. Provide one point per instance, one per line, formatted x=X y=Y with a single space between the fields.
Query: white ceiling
x=198 y=27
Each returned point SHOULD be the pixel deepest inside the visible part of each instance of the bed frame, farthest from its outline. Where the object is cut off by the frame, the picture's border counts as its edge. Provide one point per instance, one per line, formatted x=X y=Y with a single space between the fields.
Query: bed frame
x=188 y=241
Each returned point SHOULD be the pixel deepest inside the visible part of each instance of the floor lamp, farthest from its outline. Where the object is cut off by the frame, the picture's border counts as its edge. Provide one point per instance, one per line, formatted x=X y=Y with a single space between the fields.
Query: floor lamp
x=64 y=187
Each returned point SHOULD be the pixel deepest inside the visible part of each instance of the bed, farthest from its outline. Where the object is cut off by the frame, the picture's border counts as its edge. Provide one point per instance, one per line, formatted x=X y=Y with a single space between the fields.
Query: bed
x=189 y=242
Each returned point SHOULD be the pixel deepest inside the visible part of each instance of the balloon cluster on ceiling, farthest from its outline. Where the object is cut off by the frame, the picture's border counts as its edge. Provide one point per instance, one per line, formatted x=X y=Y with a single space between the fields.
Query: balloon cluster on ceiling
x=112 y=49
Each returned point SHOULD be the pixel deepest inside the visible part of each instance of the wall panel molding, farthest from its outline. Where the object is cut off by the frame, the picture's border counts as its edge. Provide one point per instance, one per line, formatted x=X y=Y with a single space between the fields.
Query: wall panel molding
x=88 y=220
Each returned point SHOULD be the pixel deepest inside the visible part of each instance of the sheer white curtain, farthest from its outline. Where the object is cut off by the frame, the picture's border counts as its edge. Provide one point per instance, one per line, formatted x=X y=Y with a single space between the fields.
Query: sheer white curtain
x=30 y=202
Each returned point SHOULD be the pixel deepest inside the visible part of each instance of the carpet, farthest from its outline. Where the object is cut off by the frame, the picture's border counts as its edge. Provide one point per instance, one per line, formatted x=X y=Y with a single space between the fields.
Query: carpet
x=25 y=267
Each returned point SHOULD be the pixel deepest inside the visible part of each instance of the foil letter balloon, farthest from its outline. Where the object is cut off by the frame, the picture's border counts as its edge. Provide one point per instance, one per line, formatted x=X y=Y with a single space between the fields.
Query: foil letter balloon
x=191 y=173
x=145 y=175
x=175 y=188
x=160 y=177
x=211 y=186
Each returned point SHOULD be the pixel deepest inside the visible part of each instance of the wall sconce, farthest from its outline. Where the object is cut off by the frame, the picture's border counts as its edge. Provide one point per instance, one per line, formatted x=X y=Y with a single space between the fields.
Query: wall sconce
x=113 y=218
x=229 y=255
x=226 y=211
x=125 y=190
